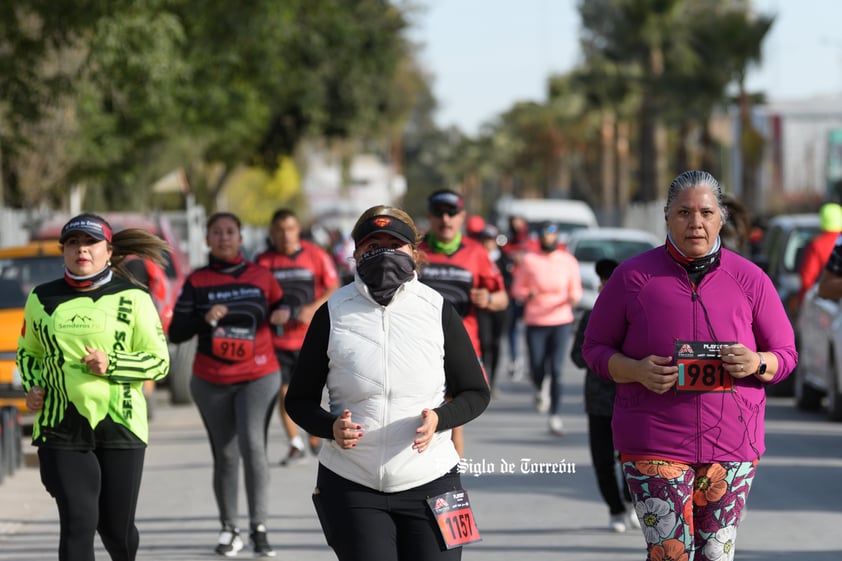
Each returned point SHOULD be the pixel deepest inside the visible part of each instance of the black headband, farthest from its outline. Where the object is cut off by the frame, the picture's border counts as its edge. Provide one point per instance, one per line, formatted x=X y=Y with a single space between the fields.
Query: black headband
x=384 y=223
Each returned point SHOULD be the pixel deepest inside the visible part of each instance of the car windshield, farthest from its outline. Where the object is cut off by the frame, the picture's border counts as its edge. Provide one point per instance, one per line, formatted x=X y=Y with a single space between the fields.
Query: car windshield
x=563 y=227
x=20 y=275
x=619 y=250
x=795 y=248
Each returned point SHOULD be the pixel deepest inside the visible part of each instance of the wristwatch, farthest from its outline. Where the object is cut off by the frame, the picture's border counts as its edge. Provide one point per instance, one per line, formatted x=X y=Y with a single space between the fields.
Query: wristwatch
x=761 y=370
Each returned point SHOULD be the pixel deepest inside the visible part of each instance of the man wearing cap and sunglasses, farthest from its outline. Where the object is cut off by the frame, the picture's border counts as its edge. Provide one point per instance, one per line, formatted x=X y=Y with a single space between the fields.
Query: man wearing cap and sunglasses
x=460 y=269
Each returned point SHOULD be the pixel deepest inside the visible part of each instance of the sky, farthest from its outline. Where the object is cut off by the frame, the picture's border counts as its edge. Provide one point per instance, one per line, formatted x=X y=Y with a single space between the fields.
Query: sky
x=486 y=55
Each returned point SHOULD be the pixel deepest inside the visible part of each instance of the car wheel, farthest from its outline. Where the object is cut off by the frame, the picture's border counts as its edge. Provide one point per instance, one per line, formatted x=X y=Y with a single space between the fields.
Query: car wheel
x=807 y=398
x=14 y=438
x=181 y=369
x=7 y=419
x=834 y=399
x=2 y=453
x=18 y=442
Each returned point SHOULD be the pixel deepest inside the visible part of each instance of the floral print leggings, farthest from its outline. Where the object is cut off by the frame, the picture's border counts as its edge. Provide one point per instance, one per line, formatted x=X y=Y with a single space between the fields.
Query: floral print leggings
x=689 y=512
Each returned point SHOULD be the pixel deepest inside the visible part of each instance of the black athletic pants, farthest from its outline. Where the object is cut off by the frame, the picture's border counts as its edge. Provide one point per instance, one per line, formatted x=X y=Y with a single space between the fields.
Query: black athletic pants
x=95 y=490
x=362 y=524
x=611 y=484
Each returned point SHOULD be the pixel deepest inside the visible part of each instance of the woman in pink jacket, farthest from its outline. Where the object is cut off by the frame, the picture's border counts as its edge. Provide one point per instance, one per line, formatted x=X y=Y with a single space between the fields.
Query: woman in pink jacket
x=548 y=282
x=691 y=333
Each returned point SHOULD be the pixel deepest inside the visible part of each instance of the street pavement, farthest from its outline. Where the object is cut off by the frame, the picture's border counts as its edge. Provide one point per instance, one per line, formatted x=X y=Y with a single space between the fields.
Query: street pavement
x=793 y=510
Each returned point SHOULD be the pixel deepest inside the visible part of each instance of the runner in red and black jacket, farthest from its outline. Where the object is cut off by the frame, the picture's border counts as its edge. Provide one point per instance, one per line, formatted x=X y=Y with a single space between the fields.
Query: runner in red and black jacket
x=231 y=305
x=307 y=275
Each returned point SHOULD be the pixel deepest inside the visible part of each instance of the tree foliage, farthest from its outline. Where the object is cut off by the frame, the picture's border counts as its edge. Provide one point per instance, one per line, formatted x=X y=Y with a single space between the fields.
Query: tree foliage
x=120 y=92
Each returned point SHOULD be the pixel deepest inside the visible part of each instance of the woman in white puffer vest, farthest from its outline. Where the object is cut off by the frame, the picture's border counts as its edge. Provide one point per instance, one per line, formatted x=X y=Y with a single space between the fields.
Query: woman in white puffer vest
x=387 y=348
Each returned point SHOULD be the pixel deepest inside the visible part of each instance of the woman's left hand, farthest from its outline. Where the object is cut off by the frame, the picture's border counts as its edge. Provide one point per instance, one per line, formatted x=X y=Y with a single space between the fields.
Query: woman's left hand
x=739 y=360
x=429 y=423
x=96 y=361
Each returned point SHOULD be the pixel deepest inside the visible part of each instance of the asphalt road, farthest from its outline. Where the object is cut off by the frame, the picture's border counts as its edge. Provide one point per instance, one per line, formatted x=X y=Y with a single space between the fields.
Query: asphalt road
x=794 y=508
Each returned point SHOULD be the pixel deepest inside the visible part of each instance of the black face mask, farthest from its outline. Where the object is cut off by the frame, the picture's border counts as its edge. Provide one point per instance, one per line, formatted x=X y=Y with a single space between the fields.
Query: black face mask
x=384 y=271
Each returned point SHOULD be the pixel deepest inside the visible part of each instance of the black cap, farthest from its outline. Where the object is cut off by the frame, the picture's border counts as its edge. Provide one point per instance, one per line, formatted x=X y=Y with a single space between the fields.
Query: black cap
x=384 y=223
x=91 y=224
x=445 y=198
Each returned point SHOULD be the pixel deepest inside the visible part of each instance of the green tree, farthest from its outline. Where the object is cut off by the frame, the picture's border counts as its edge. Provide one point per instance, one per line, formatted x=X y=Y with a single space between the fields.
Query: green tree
x=142 y=87
x=679 y=57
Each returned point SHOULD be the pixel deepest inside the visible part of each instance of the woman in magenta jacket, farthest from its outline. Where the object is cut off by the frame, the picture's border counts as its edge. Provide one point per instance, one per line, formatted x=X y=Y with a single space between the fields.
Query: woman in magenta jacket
x=691 y=332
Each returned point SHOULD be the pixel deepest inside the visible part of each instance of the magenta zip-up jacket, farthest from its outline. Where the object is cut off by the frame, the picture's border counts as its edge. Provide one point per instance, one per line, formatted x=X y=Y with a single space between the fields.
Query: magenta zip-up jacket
x=648 y=304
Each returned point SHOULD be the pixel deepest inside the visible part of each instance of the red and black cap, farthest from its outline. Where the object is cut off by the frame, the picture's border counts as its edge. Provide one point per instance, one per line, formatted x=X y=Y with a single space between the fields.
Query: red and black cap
x=91 y=224
x=387 y=224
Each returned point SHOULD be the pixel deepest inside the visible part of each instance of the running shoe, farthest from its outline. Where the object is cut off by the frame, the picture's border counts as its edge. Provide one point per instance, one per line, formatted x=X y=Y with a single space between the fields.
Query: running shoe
x=556 y=425
x=617 y=523
x=294 y=456
x=260 y=543
x=229 y=543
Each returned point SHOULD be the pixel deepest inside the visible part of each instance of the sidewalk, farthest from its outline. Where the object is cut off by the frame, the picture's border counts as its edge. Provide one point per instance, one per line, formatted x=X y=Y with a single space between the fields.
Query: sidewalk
x=522 y=513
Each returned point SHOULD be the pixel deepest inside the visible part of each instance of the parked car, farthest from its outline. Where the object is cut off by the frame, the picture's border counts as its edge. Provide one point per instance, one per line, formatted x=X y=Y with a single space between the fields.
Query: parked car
x=780 y=256
x=176 y=269
x=590 y=245
x=568 y=214
x=21 y=269
x=819 y=371
x=781 y=251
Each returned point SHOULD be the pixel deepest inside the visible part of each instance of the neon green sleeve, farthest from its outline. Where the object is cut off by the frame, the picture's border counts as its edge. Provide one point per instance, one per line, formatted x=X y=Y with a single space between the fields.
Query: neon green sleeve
x=30 y=351
x=151 y=360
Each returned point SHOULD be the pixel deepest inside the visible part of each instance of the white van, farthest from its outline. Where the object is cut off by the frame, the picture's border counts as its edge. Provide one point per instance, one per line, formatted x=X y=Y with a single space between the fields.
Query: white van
x=568 y=214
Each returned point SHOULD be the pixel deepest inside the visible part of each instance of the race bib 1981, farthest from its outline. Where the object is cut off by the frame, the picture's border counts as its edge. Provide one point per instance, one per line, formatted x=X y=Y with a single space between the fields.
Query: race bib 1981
x=700 y=368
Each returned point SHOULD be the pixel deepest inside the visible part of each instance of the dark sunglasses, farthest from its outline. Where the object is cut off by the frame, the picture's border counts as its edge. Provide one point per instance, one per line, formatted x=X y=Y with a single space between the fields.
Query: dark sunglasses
x=439 y=212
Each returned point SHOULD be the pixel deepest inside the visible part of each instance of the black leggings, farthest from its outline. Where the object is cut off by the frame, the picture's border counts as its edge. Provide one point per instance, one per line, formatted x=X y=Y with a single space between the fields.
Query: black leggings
x=362 y=524
x=95 y=490
x=612 y=486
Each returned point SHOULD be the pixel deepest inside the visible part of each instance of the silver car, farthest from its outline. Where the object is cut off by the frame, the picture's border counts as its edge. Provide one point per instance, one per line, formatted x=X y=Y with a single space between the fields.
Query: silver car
x=590 y=245
x=819 y=372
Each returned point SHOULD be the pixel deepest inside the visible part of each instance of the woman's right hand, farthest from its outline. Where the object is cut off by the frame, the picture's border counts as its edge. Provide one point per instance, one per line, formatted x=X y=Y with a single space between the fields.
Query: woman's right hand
x=35 y=398
x=657 y=373
x=346 y=433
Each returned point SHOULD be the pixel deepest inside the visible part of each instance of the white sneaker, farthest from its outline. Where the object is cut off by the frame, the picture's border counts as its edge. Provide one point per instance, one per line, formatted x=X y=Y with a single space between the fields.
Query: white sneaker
x=634 y=521
x=617 y=523
x=542 y=404
x=556 y=425
x=230 y=543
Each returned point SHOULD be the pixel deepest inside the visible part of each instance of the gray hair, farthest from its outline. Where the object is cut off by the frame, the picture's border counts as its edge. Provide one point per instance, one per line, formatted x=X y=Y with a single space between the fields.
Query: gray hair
x=691 y=179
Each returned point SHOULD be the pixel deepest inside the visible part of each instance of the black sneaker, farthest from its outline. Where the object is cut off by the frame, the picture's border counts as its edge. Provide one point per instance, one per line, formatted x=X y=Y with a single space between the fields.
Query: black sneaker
x=295 y=456
x=261 y=544
x=229 y=543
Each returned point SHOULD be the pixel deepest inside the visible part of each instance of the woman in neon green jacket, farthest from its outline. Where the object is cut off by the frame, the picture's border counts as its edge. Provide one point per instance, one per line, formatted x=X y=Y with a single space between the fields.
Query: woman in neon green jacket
x=88 y=342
